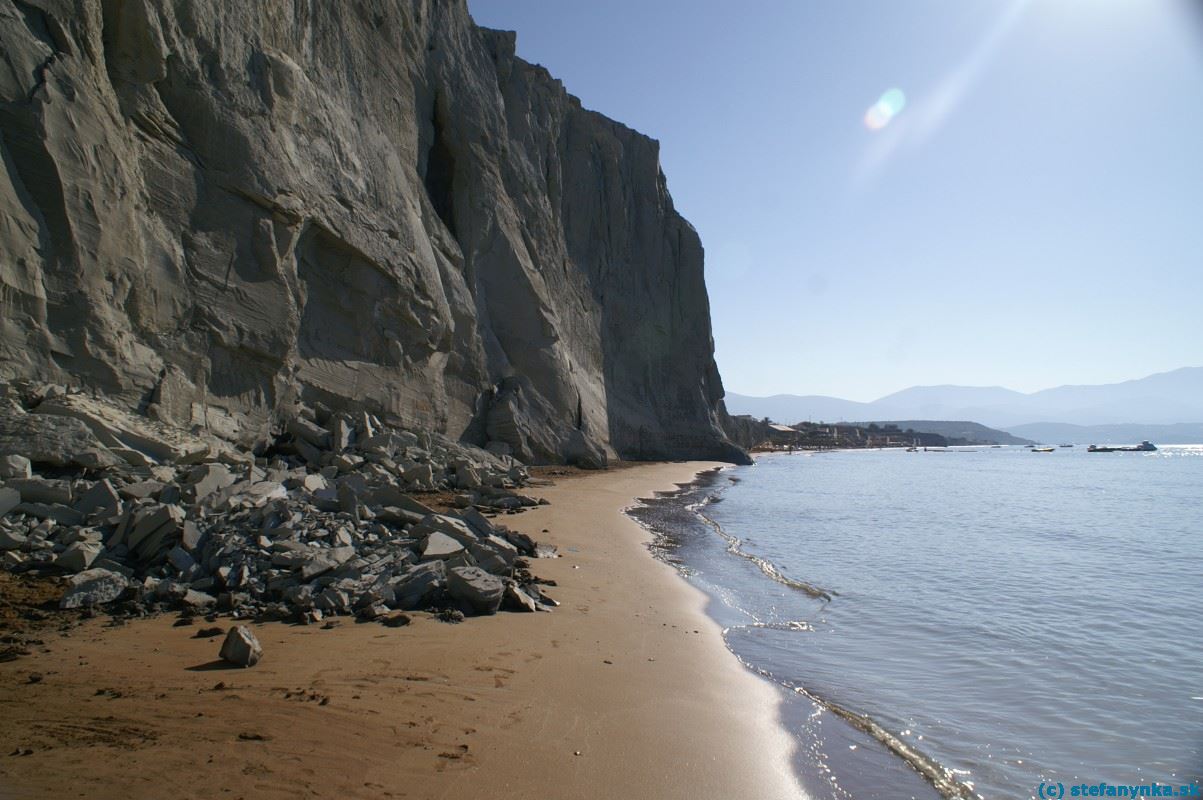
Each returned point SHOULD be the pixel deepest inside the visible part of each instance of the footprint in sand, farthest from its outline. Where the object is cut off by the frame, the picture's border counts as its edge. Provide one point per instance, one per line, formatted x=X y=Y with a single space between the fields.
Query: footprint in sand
x=459 y=758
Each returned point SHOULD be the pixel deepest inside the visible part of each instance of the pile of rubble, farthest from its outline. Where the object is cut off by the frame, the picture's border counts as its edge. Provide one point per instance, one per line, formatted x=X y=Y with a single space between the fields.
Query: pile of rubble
x=317 y=519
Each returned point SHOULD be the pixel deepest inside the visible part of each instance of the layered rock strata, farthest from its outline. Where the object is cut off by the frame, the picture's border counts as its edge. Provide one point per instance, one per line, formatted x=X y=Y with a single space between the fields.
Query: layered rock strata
x=214 y=210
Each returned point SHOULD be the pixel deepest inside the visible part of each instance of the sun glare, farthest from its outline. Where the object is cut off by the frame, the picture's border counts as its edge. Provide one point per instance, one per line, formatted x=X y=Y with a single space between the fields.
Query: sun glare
x=888 y=106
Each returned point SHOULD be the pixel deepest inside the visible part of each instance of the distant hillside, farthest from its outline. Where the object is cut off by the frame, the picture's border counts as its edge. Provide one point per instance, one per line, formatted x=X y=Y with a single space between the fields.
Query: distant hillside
x=759 y=436
x=1058 y=433
x=1161 y=399
x=791 y=408
x=969 y=432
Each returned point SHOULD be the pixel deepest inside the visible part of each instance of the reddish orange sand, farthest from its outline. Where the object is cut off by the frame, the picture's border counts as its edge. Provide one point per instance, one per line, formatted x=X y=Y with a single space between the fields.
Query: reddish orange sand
x=625 y=691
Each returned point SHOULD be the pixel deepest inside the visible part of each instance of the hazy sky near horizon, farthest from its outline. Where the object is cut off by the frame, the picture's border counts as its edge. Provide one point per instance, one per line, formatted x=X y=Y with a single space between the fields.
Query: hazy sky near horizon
x=1032 y=215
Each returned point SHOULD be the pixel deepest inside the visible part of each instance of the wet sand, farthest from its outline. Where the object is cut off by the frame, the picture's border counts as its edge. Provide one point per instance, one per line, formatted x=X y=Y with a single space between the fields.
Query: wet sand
x=626 y=690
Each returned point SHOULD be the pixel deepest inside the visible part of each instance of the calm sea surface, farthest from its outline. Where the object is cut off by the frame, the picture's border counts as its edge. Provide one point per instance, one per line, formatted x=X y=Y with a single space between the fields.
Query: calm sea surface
x=998 y=616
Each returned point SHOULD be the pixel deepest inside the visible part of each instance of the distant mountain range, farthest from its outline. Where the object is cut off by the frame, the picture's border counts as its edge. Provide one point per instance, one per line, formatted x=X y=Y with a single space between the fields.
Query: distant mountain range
x=1161 y=399
x=1060 y=432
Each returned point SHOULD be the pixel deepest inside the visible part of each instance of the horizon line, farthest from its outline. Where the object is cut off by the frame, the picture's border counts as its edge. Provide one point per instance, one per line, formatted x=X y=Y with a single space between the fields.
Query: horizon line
x=727 y=392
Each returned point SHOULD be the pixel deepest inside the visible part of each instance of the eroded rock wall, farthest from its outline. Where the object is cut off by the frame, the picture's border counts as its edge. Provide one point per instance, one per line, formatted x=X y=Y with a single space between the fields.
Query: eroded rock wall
x=216 y=209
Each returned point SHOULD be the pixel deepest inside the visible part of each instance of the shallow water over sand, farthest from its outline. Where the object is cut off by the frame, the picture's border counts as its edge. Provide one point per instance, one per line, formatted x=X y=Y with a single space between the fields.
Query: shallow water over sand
x=1004 y=617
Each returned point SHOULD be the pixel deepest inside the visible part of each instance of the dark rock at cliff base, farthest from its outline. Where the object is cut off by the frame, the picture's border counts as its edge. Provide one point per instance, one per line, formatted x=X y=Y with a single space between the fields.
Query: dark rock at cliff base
x=212 y=210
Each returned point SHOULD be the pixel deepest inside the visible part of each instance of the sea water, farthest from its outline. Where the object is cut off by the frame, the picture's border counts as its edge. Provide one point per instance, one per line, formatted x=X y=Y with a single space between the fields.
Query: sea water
x=998 y=618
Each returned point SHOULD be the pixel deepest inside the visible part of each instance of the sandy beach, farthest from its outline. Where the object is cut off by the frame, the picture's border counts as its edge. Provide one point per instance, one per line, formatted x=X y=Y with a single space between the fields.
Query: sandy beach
x=626 y=690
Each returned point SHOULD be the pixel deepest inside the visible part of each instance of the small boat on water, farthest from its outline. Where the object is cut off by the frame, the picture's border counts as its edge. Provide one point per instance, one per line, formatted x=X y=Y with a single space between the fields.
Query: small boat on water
x=1043 y=449
x=1144 y=447
x=1065 y=445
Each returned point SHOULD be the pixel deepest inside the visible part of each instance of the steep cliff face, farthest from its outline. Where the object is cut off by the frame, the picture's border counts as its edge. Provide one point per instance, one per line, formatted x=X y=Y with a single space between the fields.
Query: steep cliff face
x=218 y=208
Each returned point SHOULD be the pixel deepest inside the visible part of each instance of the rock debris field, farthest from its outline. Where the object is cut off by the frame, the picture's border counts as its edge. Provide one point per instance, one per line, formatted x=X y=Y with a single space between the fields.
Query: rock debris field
x=316 y=519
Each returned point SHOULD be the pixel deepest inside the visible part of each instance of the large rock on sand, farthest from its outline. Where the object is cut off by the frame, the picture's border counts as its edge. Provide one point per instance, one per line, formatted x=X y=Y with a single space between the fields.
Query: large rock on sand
x=241 y=647
x=93 y=587
x=476 y=589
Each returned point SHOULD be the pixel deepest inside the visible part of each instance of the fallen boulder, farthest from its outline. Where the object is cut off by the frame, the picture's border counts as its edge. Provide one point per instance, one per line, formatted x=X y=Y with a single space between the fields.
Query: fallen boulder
x=440 y=546
x=241 y=647
x=417 y=586
x=494 y=555
x=206 y=479
x=475 y=588
x=42 y=490
x=93 y=587
x=56 y=512
x=457 y=529
x=102 y=498
x=518 y=600
x=53 y=441
x=78 y=556
x=153 y=526
x=9 y=499
x=119 y=429
x=309 y=432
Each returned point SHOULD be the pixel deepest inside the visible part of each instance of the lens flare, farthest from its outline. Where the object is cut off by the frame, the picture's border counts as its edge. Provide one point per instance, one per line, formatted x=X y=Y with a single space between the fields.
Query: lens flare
x=888 y=106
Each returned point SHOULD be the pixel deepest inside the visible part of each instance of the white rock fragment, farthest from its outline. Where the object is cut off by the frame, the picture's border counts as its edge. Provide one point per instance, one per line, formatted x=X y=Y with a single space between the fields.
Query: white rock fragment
x=440 y=546
x=14 y=466
x=93 y=587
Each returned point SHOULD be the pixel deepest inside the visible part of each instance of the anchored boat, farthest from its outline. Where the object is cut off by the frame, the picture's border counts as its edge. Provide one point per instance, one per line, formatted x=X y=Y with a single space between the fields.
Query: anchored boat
x=1144 y=447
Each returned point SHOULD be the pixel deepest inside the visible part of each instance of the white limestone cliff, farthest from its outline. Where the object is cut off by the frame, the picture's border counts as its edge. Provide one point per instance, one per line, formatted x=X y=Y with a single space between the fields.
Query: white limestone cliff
x=215 y=210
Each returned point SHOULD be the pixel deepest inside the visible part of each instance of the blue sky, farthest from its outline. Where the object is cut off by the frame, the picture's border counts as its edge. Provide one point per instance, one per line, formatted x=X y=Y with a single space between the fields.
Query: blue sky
x=1033 y=216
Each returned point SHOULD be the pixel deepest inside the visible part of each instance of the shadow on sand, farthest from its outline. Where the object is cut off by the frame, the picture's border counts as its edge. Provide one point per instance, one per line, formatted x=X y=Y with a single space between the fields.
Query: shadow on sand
x=212 y=666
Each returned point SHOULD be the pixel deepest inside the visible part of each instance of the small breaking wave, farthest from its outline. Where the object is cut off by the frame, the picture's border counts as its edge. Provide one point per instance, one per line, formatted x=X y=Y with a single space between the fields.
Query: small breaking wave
x=940 y=777
x=734 y=547
x=792 y=625
x=706 y=480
